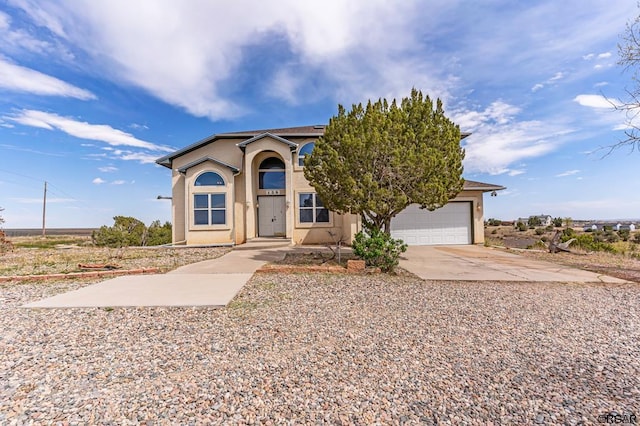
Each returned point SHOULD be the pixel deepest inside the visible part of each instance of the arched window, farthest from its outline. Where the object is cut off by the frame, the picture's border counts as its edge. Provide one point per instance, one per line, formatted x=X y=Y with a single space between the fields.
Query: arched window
x=209 y=208
x=271 y=174
x=304 y=151
x=209 y=179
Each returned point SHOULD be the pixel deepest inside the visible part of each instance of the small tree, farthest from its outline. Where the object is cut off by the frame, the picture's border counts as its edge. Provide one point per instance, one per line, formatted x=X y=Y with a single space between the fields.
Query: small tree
x=494 y=222
x=568 y=222
x=1 y=218
x=158 y=234
x=126 y=231
x=557 y=222
x=534 y=221
x=376 y=160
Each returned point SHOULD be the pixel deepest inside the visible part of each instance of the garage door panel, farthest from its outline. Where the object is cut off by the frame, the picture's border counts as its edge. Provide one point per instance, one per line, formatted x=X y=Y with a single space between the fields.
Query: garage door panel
x=450 y=224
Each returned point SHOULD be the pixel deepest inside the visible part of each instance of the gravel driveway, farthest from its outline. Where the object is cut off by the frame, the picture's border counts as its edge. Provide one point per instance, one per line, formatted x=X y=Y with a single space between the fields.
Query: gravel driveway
x=329 y=349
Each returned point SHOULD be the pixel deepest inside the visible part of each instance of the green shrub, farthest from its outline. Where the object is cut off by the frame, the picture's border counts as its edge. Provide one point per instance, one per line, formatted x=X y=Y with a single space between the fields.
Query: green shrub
x=624 y=234
x=158 y=234
x=129 y=231
x=557 y=222
x=378 y=249
x=591 y=242
x=540 y=231
x=521 y=226
x=611 y=237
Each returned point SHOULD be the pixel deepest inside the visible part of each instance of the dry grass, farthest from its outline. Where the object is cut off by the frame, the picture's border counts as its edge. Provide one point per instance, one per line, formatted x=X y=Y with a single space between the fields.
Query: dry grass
x=625 y=263
x=33 y=256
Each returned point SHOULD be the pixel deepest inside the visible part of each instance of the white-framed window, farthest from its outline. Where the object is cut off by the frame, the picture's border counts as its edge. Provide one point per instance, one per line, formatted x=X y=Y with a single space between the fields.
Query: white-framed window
x=271 y=174
x=311 y=209
x=209 y=179
x=304 y=151
x=209 y=208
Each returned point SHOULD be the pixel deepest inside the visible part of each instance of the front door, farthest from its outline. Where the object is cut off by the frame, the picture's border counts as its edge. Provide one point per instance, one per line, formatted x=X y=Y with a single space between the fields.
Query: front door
x=271 y=216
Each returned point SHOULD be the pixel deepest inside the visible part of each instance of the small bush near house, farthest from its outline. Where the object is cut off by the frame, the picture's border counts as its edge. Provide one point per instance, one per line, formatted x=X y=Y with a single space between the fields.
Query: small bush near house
x=624 y=234
x=611 y=237
x=129 y=231
x=592 y=242
x=521 y=227
x=157 y=234
x=540 y=231
x=378 y=249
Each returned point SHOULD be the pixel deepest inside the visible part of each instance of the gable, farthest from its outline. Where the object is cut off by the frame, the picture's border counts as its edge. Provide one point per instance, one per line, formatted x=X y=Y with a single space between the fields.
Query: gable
x=199 y=161
x=291 y=145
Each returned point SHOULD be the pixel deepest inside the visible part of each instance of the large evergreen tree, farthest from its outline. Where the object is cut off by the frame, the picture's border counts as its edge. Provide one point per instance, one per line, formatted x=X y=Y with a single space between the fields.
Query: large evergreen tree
x=376 y=160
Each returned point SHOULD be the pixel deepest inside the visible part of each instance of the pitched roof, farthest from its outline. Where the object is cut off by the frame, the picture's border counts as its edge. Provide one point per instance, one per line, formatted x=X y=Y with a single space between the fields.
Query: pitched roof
x=186 y=167
x=302 y=131
x=472 y=185
x=290 y=144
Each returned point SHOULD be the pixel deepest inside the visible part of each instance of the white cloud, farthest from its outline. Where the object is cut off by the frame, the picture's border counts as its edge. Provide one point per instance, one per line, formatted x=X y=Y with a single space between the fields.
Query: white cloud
x=118 y=182
x=594 y=101
x=497 y=113
x=15 y=40
x=136 y=156
x=98 y=181
x=591 y=56
x=515 y=172
x=499 y=140
x=139 y=126
x=557 y=76
x=17 y=78
x=108 y=169
x=355 y=46
x=568 y=173
x=83 y=130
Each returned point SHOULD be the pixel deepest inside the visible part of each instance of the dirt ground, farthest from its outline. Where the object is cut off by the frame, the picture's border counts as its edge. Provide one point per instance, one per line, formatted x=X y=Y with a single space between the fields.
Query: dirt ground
x=527 y=243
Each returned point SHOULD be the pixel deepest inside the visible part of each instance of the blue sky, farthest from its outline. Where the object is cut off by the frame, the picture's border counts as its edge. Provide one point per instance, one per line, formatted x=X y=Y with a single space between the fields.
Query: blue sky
x=92 y=92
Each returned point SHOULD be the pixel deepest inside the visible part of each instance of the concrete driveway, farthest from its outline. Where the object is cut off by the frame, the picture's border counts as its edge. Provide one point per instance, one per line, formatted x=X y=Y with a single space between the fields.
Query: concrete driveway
x=479 y=263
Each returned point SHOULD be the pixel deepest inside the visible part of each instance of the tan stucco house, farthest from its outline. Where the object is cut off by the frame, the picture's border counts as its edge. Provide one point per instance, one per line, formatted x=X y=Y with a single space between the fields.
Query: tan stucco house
x=232 y=187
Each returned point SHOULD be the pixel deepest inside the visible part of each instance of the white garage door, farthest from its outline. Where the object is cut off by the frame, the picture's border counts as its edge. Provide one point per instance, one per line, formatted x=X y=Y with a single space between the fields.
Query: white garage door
x=450 y=224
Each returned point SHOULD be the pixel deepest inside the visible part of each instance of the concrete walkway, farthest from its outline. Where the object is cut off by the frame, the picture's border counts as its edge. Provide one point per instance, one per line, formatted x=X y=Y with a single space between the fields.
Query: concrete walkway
x=209 y=283
x=479 y=263
x=216 y=282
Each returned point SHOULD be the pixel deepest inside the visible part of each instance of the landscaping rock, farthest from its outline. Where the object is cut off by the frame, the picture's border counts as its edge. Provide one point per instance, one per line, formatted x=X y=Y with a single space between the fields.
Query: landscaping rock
x=330 y=349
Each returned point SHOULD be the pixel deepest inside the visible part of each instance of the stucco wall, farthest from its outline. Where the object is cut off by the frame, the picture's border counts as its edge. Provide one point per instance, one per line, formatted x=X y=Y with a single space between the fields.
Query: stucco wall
x=475 y=197
x=242 y=194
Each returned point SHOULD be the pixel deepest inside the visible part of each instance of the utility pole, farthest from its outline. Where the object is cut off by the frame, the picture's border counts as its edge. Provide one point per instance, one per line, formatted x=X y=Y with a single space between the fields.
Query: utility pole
x=44 y=211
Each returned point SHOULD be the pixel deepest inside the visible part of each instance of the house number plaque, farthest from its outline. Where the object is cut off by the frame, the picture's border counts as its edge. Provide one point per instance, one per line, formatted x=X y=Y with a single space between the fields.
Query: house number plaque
x=273 y=192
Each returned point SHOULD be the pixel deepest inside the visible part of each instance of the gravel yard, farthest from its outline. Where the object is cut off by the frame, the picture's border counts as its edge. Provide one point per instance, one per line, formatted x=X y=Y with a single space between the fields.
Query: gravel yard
x=328 y=349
